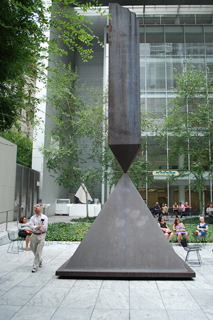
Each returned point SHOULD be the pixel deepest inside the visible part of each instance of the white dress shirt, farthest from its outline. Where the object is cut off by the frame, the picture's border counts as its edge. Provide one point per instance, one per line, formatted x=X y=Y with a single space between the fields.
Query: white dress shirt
x=37 y=221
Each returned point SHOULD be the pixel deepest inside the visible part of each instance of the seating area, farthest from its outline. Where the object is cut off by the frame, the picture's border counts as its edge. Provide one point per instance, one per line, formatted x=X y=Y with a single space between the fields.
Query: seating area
x=194 y=249
x=15 y=244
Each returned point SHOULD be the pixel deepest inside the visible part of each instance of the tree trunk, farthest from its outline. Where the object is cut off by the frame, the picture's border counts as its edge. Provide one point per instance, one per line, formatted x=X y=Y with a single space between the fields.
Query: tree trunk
x=203 y=207
x=200 y=200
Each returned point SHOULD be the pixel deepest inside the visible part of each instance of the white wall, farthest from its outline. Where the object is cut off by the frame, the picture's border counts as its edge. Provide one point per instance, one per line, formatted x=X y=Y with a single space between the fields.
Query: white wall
x=8 y=152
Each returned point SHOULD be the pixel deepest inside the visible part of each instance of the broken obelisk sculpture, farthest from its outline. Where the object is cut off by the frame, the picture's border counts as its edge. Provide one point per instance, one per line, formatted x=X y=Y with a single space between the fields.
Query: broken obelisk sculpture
x=125 y=241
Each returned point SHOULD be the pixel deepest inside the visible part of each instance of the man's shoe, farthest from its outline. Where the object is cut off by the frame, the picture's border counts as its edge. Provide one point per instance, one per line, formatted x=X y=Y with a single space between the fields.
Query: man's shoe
x=34 y=270
x=40 y=264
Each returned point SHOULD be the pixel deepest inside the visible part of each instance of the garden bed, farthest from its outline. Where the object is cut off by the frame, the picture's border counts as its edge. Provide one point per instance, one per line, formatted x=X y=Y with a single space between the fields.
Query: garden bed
x=63 y=231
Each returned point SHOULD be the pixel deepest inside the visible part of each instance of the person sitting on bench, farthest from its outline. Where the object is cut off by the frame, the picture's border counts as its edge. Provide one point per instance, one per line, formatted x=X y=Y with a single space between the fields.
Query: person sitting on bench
x=180 y=230
x=175 y=209
x=202 y=228
x=162 y=224
x=157 y=210
x=164 y=208
x=187 y=209
x=209 y=210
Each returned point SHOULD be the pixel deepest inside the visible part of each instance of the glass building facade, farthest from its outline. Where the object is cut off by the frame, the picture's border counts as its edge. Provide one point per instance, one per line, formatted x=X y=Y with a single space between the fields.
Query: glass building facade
x=166 y=41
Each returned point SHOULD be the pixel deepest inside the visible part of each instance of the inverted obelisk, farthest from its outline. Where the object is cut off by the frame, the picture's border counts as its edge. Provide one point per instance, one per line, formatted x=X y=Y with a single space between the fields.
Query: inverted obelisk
x=124 y=86
x=125 y=242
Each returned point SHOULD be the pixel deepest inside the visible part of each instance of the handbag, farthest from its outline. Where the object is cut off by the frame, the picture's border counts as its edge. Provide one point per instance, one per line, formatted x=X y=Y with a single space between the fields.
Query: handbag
x=28 y=231
x=166 y=230
x=181 y=230
x=184 y=242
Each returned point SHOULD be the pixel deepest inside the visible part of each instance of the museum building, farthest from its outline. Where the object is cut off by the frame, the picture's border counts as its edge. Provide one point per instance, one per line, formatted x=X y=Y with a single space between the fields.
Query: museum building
x=169 y=35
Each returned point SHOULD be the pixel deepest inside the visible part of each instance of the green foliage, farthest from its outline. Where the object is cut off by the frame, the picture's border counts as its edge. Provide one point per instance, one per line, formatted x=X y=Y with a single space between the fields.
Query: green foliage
x=191 y=225
x=24 y=43
x=86 y=220
x=76 y=121
x=63 y=231
x=80 y=135
x=24 y=146
x=188 y=125
x=22 y=25
x=73 y=28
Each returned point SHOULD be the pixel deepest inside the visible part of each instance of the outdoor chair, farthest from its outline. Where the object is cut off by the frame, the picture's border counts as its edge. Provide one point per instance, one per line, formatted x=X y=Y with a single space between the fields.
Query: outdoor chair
x=200 y=239
x=18 y=241
x=193 y=248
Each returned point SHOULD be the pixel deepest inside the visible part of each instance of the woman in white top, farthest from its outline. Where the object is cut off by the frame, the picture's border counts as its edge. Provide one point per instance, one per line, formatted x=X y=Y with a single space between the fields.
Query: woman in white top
x=24 y=231
x=175 y=209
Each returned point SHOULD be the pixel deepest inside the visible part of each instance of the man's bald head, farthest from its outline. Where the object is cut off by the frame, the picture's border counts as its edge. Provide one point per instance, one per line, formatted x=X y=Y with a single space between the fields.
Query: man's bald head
x=37 y=209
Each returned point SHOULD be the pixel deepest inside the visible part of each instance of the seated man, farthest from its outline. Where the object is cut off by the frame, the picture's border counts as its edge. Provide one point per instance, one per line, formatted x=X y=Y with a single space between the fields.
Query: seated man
x=209 y=210
x=181 y=209
x=157 y=210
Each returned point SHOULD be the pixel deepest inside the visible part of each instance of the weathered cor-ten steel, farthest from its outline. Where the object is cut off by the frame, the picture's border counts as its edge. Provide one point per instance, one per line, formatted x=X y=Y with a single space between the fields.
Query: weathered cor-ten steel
x=124 y=85
x=125 y=242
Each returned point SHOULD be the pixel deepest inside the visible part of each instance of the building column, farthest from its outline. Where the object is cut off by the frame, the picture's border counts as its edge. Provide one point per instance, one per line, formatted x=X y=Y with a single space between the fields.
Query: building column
x=182 y=194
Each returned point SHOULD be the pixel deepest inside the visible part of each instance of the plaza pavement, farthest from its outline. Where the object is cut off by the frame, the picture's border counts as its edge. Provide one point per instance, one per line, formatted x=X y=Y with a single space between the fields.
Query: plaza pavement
x=43 y=296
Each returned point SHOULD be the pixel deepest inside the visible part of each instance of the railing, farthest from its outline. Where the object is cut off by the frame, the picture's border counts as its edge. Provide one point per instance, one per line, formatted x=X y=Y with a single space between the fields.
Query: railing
x=7 y=215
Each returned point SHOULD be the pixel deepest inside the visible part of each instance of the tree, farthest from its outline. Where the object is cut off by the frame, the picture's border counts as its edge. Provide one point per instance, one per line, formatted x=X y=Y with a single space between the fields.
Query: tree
x=24 y=146
x=139 y=171
x=189 y=126
x=79 y=136
x=24 y=43
x=75 y=118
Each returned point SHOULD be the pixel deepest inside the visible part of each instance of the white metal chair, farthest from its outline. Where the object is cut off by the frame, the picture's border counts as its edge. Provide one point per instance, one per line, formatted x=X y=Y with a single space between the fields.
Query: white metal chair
x=195 y=248
x=17 y=240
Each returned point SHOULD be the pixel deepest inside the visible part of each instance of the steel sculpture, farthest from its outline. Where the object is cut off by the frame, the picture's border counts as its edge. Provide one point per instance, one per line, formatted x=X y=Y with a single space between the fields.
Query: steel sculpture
x=125 y=242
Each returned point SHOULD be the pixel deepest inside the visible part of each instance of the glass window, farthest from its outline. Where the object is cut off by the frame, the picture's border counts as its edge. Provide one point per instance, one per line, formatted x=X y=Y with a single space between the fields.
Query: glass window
x=175 y=49
x=155 y=74
x=195 y=49
x=209 y=48
x=209 y=62
x=187 y=19
x=141 y=34
x=171 y=63
x=168 y=19
x=194 y=34
x=156 y=154
x=155 y=34
x=174 y=34
x=198 y=62
x=142 y=76
x=208 y=34
x=152 y=19
x=204 y=19
x=144 y=49
x=156 y=104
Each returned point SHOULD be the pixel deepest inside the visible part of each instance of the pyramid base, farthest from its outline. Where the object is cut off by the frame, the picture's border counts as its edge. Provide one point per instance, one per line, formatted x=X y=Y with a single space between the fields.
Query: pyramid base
x=125 y=242
x=126 y=274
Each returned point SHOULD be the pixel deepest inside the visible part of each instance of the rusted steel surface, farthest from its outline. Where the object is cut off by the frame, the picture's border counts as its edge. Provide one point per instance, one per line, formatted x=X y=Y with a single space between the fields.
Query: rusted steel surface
x=124 y=85
x=125 y=242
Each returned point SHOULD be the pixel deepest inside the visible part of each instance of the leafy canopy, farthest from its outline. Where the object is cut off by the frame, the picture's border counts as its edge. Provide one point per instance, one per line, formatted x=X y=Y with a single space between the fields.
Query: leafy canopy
x=188 y=126
x=24 y=146
x=24 y=43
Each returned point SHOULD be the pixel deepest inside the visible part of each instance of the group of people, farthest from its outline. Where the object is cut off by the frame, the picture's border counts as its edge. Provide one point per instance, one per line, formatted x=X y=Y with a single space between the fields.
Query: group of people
x=181 y=209
x=179 y=229
x=34 y=233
